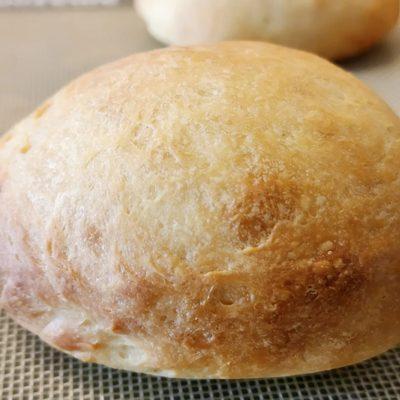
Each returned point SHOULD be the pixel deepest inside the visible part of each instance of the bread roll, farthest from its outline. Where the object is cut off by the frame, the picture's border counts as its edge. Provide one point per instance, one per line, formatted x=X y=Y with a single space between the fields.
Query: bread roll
x=331 y=28
x=227 y=211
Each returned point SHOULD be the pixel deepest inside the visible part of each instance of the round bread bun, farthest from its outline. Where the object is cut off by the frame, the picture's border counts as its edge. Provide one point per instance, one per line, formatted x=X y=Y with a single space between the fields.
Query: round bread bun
x=334 y=29
x=227 y=211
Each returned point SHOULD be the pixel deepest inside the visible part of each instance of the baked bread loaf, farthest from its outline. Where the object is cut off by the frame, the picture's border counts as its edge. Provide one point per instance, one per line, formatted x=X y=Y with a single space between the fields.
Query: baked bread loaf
x=227 y=211
x=331 y=28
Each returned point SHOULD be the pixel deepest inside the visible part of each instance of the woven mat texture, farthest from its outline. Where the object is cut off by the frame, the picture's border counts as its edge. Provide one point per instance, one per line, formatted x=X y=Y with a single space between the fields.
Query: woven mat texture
x=32 y=370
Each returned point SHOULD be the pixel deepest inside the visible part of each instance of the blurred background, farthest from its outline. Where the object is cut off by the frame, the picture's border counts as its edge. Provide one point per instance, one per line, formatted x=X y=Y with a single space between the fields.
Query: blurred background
x=44 y=46
x=46 y=43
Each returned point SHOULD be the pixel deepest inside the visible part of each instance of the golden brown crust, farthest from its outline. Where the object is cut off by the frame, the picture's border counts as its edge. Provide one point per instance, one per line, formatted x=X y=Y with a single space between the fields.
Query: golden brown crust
x=333 y=29
x=221 y=211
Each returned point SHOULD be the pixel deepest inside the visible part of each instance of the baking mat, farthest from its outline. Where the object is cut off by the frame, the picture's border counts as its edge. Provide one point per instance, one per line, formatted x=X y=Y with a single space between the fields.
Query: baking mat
x=32 y=370
x=39 y=52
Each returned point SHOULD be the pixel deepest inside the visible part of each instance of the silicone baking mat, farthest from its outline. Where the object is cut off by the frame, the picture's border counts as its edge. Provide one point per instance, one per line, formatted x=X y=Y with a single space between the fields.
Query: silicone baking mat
x=42 y=49
x=32 y=370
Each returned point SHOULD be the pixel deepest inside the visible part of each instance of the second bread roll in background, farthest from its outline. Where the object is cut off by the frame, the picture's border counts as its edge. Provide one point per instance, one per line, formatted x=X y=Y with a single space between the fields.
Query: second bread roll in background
x=332 y=29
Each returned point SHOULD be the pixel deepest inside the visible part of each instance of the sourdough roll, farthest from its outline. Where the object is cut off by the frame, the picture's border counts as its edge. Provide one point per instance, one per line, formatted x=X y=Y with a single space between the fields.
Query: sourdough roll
x=331 y=28
x=227 y=211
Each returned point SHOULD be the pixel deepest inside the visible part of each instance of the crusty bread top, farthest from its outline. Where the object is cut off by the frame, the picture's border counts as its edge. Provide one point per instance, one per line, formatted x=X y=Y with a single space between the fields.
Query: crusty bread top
x=221 y=211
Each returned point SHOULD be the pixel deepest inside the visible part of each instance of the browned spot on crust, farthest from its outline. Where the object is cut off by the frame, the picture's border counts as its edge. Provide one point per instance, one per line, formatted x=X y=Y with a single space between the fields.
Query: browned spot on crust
x=119 y=326
x=140 y=297
x=49 y=246
x=93 y=235
x=25 y=148
x=94 y=238
x=73 y=342
x=19 y=290
x=267 y=200
x=142 y=293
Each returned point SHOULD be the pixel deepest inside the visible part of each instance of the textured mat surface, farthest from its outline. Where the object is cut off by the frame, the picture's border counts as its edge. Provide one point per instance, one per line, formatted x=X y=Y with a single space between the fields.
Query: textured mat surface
x=32 y=370
x=29 y=369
